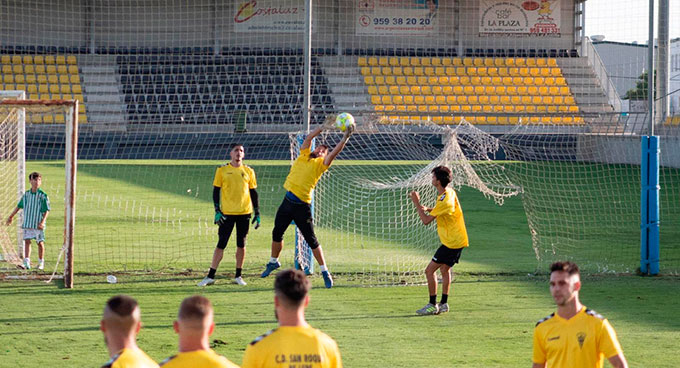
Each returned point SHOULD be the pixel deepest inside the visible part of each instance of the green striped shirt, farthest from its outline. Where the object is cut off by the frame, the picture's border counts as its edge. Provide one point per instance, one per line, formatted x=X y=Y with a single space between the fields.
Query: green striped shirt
x=34 y=205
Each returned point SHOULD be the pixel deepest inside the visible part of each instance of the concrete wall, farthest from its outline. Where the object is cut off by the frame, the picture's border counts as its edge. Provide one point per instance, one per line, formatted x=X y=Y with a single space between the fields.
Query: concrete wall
x=177 y=23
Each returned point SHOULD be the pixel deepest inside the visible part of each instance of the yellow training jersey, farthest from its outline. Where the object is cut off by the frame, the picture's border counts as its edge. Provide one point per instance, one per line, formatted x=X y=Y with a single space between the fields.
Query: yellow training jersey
x=130 y=358
x=582 y=341
x=450 y=221
x=293 y=347
x=198 y=359
x=304 y=174
x=236 y=183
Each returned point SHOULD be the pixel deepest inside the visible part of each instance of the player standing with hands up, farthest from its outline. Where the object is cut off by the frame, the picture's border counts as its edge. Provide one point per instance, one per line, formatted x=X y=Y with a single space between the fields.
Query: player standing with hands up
x=235 y=198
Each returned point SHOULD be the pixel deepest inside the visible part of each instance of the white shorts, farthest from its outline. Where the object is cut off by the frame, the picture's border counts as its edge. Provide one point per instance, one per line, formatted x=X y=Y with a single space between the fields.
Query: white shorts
x=36 y=234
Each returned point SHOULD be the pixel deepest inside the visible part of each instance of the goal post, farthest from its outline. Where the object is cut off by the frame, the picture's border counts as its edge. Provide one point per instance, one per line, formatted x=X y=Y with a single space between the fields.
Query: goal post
x=14 y=110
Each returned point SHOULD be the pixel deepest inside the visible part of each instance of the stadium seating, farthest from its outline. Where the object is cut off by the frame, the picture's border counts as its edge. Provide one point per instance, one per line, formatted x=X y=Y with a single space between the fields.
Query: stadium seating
x=477 y=85
x=211 y=89
x=44 y=77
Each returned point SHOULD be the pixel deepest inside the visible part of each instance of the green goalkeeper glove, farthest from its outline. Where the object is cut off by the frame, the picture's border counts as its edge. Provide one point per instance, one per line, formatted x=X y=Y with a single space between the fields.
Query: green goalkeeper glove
x=219 y=218
x=256 y=218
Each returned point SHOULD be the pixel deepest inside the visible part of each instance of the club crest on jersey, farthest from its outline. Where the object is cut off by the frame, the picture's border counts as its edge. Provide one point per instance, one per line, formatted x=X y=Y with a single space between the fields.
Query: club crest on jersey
x=442 y=197
x=581 y=337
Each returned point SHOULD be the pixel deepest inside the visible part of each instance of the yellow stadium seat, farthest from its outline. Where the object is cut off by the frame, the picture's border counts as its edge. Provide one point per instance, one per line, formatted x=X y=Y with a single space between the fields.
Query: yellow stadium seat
x=51 y=69
x=383 y=90
x=436 y=61
x=48 y=119
x=5 y=59
x=18 y=69
x=415 y=61
x=468 y=62
x=468 y=90
x=40 y=69
x=443 y=80
x=372 y=61
x=537 y=100
x=64 y=79
x=61 y=59
x=457 y=62
x=545 y=72
x=552 y=62
x=555 y=72
x=543 y=90
x=447 y=61
x=478 y=90
x=503 y=72
x=453 y=80
x=471 y=71
x=532 y=90
x=433 y=81
x=391 y=80
x=404 y=90
x=393 y=61
x=375 y=100
x=430 y=100
x=415 y=90
x=541 y=62
x=43 y=88
x=52 y=79
x=71 y=60
x=396 y=70
x=489 y=90
x=569 y=100
x=372 y=90
x=20 y=78
x=379 y=79
x=369 y=80
x=422 y=108
x=408 y=99
x=525 y=72
x=16 y=59
x=419 y=100
x=394 y=90
x=397 y=100
x=440 y=100
x=560 y=81
x=28 y=59
x=529 y=108
x=553 y=91
x=458 y=90
x=425 y=61
x=517 y=81
x=404 y=61
x=425 y=89
x=79 y=97
x=8 y=78
x=386 y=100
x=49 y=60
x=383 y=61
x=82 y=119
x=437 y=90
x=500 y=90
x=376 y=70
x=441 y=71
x=478 y=61
x=418 y=70
x=54 y=88
x=41 y=78
x=401 y=80
x=365 y=71
x=450 y=71
x=475 y=80
x=407 y=70
x=531 y=61
x=59 y=118
x=411 y=80
x=362 y=61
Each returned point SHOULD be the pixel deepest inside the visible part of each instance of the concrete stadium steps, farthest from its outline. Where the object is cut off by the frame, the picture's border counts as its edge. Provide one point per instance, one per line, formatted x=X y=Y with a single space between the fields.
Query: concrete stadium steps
x=101 y=90
x=346 y=84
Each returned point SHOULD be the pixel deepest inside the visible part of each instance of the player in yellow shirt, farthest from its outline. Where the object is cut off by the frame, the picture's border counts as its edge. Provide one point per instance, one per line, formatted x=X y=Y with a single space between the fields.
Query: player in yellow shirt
x=294 y=344
x=296 y=206
x=120 y=325
x=452 y=234
x=235 y=198
x=574 y=337
x=194 y=325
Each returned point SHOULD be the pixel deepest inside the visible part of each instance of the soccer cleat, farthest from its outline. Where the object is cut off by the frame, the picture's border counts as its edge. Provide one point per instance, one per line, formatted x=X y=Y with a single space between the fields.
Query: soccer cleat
x=41 y=265
x=270 y=267
x=327 y=279
x=443 y=308
x=27 y=264
x=428 y=309
x=206 y=281
x=239 y=281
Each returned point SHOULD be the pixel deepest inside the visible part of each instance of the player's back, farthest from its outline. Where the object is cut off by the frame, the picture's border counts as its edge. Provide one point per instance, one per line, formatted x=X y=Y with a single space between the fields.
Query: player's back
x=130 y=358
x=198 y=359
x=293 y=347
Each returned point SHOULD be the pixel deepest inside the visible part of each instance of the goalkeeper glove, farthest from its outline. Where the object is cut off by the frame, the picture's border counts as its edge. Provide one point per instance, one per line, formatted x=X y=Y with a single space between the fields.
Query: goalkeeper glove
x=219 y=218
x=329 y=122
x=256 y=218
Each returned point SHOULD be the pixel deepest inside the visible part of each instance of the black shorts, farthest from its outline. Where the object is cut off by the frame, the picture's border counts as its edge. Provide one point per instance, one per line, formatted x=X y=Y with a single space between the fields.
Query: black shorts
x=301 y=213
x=242 y=223
x=447 y=256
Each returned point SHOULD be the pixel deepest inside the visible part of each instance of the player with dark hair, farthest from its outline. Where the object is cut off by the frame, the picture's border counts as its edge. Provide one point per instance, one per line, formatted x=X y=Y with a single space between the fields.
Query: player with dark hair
x=36 y=206
x=235 y=199
x=575 y=336
x=120 y=324
x=194 y=325
x=452 y=234
x=296 y=206
x=294 y=342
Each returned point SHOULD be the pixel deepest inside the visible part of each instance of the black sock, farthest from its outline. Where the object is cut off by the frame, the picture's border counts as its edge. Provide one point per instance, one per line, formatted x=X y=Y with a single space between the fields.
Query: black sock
x=211 y=273
x=238 y=272
x=445 y=298
x=433 y=299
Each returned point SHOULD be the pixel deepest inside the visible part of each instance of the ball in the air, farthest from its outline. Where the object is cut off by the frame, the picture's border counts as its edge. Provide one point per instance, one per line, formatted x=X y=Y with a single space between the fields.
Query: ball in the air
x=344 y=120
x=111 y=279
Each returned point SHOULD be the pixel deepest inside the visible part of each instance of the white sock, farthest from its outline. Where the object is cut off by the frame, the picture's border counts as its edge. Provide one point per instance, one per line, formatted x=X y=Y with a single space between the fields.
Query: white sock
x=273 y=259
x=41 y=260
x=323 y=268
x=27 y=260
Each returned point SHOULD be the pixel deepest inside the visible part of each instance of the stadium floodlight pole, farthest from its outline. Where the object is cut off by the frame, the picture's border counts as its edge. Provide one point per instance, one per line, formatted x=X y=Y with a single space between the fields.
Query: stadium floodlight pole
x=308 y=65
x=649 y=167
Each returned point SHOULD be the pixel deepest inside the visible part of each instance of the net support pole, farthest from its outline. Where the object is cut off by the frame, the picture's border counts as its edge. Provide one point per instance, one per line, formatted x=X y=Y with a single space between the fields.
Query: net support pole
x=21 y=171
x=649 y=206
x=300 y=242
x=71 y=156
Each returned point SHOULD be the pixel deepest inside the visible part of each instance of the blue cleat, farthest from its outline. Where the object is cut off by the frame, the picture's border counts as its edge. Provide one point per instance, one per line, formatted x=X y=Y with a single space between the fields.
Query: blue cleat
x=270 y=267
x=327 y=279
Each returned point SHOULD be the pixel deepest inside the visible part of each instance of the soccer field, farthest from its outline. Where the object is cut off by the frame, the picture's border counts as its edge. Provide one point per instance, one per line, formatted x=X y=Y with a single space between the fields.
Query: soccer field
x=126 y=209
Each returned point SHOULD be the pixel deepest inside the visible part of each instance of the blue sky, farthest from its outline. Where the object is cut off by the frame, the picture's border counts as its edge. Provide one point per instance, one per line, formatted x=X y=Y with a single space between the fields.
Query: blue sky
x=626 y=20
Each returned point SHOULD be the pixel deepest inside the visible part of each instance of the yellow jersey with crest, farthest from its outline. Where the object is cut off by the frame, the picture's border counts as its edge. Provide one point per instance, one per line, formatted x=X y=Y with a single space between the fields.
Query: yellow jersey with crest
x=293 y=347
x=198 y=359
x=450 y=221
x=235 y=184
x=304 y=174
x=130 y=358
x=582 y=341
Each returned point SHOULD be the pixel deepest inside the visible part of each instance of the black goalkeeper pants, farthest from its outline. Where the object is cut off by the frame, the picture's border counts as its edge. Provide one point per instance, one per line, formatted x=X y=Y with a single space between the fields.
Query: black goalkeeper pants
x=242 y=223
x=301 y=213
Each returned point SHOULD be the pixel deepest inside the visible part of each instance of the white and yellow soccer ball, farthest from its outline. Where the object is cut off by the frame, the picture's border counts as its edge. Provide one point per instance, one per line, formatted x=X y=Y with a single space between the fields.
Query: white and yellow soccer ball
x=344 y=120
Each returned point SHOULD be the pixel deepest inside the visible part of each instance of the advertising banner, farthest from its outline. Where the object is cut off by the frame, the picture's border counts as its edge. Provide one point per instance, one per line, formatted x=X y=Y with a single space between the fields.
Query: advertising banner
x=269 y=16
x=520 y=18
x=396 y=17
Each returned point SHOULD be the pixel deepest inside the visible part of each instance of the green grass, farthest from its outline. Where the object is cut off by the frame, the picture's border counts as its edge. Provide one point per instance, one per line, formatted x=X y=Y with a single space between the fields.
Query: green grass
x=126 y=210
